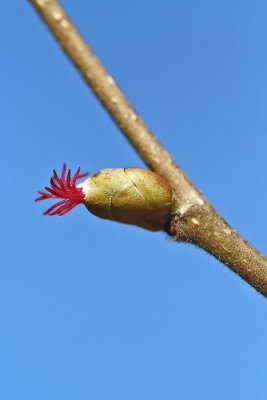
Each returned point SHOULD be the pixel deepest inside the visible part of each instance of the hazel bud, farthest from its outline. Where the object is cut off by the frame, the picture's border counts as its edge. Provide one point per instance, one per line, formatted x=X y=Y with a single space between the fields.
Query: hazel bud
x=129 y=195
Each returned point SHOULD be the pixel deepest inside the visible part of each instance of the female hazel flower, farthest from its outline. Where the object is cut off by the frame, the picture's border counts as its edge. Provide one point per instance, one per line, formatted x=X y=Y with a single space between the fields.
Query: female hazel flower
x=130 y=195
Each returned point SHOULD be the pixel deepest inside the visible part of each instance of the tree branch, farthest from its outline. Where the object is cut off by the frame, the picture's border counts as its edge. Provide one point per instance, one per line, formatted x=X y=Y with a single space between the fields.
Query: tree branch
x=195 y=220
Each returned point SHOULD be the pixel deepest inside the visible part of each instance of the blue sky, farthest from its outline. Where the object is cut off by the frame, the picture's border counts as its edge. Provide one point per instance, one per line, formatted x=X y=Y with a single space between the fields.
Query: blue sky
x=91 y=309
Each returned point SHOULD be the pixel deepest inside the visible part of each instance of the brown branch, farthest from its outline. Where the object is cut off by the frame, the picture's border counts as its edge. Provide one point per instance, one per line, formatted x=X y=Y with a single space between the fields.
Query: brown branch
x=195 y=220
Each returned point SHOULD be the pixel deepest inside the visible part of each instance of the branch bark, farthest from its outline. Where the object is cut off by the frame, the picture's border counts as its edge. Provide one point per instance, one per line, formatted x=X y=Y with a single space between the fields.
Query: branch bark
x=195 y=220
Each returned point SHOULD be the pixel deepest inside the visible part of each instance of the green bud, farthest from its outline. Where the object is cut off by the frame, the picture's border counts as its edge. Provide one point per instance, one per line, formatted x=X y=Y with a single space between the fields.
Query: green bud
x=130 y=195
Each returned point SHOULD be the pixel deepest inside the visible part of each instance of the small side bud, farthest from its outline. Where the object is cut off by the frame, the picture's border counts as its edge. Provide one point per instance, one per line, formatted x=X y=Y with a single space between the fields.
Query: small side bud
x=129 y=195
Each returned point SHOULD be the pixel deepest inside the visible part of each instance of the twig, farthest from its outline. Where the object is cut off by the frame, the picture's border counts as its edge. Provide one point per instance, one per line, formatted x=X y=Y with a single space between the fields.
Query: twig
x=195 y=220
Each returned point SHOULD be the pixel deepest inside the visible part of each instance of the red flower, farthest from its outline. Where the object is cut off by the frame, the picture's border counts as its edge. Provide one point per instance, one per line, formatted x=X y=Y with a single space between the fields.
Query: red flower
x=63 y=188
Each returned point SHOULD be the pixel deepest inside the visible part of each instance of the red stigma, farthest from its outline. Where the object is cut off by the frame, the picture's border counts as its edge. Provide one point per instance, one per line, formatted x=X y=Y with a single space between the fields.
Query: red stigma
x=65 y=188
